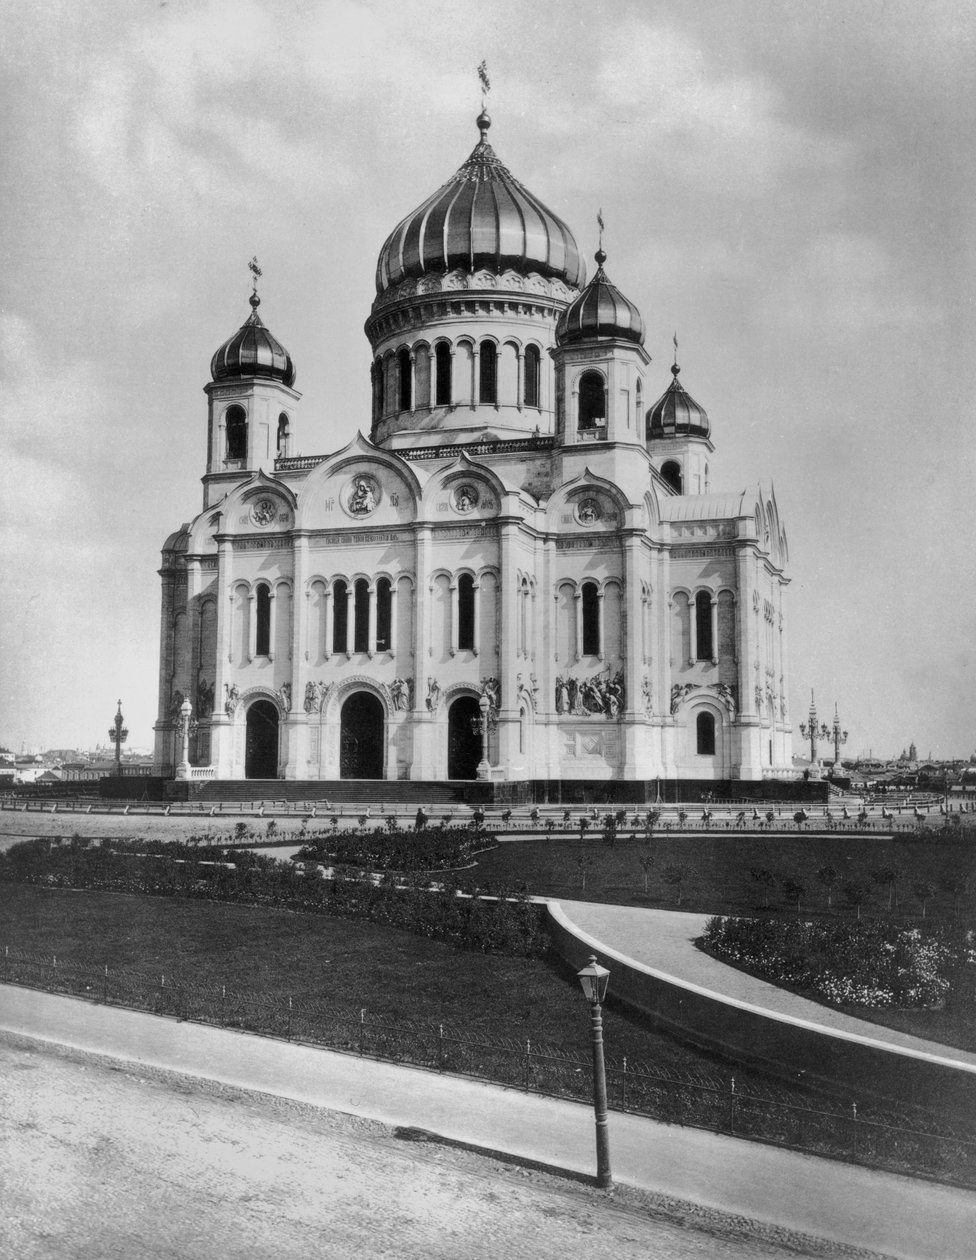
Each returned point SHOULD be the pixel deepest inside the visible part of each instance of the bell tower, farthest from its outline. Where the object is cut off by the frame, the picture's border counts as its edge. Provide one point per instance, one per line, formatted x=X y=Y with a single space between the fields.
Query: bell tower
x=600 y=361
x=251 y=403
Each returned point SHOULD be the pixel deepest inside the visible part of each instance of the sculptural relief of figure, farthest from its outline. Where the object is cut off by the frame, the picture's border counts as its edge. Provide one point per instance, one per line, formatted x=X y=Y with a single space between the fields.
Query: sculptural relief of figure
x=491 y=688
x=311 y=696
x=284 y=695
x=231 y=697
x=362 y=499
x=433 y=694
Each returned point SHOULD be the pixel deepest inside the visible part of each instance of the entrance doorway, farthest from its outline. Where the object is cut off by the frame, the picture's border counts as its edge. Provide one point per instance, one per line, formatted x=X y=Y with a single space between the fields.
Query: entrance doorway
x=361 y=737
x=463 y=738
x=261 y=743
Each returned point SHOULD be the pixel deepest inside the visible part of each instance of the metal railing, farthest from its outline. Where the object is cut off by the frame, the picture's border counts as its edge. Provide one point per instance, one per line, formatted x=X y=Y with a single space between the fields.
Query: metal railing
x=913 y=1141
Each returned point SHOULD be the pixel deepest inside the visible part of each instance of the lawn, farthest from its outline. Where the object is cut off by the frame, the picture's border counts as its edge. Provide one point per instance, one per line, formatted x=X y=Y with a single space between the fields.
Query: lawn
x=392 y=973
x=716 y=872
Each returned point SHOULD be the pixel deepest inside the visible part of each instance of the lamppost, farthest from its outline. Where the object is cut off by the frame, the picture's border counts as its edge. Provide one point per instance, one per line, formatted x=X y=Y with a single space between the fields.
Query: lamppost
x=118 y=734
x=484 y=766
x=839 y=737
x=814 y=731
x=184 y=725
x=593 y=979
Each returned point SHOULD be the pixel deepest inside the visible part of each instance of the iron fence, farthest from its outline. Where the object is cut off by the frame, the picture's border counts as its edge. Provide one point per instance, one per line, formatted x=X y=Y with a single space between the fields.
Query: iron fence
x=913 y=1141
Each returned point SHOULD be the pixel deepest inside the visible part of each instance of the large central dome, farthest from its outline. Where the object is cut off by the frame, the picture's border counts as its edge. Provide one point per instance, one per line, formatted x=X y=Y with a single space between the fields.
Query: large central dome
x=481 y=218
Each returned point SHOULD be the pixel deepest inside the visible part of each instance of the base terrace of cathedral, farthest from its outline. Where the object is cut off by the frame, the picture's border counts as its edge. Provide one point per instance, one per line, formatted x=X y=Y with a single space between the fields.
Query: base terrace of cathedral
x=522 y=579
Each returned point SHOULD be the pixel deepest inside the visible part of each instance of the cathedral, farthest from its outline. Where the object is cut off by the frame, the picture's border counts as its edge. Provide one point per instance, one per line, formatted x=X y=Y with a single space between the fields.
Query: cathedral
x=522 y=574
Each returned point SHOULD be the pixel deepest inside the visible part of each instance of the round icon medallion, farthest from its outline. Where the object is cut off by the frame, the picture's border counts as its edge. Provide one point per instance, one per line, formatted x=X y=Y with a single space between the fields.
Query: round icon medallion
x=362 y=495
x=589 y=512
x=264 y=511
x=466 y=498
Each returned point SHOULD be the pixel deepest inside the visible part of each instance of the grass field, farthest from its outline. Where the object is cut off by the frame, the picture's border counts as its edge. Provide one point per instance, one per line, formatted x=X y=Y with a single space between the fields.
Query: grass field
x=717 y=872
x=392 y=973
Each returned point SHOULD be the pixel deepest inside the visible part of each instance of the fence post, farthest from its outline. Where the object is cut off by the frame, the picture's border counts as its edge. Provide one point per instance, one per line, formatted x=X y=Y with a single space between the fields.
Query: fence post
x=54 y=965
x=223 y=1005
x=105 y=985
x=623 y=1086
x=854 y=1129
x=732 y=1107
x=440 y=1047
x=528 y=1055
x=362 y=1029
x=288 y=1030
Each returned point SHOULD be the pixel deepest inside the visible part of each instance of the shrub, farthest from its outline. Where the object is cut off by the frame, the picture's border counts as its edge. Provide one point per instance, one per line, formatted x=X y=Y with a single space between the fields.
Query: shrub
x=867 y=964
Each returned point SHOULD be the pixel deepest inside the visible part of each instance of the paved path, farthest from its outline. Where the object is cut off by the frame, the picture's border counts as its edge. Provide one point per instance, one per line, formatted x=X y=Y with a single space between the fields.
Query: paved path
x=663 y=940
x=145 y=1165
x=888 y=1214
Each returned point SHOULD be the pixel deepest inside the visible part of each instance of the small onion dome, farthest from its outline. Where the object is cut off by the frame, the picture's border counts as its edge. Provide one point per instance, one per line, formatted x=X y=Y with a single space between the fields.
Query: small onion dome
x=677 y=412
x=601 y=310
x=482 y=217
x=252 y=351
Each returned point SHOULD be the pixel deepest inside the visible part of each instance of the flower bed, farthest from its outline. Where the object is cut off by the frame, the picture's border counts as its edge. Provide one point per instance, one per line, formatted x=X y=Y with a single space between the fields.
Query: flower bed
x=870 y=963
x=391 y=848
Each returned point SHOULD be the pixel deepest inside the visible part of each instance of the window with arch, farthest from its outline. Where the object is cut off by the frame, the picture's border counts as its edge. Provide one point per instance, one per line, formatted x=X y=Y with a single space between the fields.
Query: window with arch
x=379 y=390
x=671 y=472
x=361 y=616
x=262 y=624
x=703 y=626
x=705 y=734
x=284 y=435
x=533 y=377
x=340 y=609
x=235 y=432
x=384 y=615
x=488 y=373
x=591 y=619
x=592 y=401
x=465 y=599
x=639 y=405
x=406 y=380
x=442 y=375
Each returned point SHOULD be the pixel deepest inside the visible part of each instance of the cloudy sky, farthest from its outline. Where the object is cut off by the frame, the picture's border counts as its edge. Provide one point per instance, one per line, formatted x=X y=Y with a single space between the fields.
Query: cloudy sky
x=789 y=186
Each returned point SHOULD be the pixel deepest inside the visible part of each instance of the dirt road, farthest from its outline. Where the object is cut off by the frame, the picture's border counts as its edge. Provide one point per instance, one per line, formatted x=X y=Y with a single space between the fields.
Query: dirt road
x=115 y=1161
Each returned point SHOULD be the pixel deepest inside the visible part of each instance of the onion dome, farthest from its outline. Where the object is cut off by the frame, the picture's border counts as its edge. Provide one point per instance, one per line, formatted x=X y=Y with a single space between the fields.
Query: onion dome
x=601 y=310
x=677 y=412
x=252 y=351
x=482 y=217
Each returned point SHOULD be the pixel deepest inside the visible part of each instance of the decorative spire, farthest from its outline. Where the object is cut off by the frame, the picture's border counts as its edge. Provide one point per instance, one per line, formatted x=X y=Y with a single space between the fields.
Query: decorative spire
x=255 y=271
x=484 y=118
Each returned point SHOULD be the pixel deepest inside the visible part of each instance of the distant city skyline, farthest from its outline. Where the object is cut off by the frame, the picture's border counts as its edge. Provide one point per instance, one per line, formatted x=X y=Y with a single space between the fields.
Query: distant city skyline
x=788 y=188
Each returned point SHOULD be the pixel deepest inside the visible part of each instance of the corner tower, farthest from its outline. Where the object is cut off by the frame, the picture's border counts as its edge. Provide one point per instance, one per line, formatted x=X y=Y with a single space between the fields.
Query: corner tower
x=469 y=287
x=679 y=438
x=251 y=403
x=599 y=361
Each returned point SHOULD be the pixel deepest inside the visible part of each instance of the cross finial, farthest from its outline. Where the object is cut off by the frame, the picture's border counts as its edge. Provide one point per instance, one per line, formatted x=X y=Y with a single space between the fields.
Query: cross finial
x=485 y=84
x=255 y=271
x=675 y=348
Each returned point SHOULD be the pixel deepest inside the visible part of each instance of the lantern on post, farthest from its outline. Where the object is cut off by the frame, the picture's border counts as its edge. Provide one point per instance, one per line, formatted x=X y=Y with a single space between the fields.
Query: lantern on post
x=593 y=980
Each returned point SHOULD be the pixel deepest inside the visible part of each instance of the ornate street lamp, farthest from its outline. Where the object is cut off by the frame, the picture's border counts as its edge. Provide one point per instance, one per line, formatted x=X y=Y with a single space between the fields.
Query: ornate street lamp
x=839 y=737
x=593 y=980
x=118 y=734
x=184 y=725
x=484 y=766
x=813 y=731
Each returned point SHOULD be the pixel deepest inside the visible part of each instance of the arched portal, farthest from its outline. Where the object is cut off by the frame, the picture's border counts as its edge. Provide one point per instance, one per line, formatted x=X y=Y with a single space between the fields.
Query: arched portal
x=261 y=742
x=463 y=738
x=361 y=737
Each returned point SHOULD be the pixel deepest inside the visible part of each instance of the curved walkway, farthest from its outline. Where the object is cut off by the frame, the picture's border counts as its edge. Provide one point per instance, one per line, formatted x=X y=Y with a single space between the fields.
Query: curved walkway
x=663 y=942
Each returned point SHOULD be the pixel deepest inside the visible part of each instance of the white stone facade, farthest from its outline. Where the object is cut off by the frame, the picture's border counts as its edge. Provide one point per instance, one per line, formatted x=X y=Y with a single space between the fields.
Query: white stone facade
x=343 y=615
